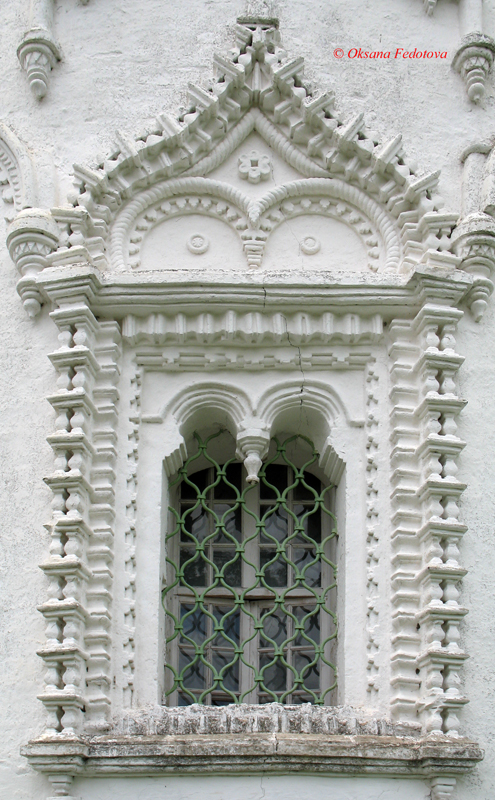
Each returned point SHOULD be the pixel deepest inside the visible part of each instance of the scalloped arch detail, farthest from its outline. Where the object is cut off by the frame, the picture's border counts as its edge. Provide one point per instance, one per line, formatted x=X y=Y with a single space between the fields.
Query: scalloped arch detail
x=18 y=173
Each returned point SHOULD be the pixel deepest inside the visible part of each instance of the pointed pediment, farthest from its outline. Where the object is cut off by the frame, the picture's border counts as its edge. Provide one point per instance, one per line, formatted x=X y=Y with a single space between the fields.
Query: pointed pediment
x=358 y=196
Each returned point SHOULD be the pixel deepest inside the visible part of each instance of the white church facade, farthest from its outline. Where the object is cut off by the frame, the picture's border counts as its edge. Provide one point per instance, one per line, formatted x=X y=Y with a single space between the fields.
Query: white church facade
x=247 y=401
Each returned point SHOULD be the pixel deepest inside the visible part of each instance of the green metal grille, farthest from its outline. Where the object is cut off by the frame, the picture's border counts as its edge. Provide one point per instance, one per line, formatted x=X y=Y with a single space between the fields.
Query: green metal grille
x=251 y=582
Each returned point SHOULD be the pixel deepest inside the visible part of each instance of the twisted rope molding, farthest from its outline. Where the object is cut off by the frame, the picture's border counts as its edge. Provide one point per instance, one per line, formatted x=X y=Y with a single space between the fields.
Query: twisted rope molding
x=255 y=120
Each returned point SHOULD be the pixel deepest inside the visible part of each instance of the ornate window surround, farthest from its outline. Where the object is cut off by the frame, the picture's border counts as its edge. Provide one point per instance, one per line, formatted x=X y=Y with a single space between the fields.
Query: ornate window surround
x=336 y=345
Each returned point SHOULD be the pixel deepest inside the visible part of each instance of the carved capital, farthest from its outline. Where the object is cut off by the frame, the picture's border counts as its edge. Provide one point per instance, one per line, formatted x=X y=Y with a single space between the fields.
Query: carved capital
x=252 y=447
x=38 y=53
x=31 y=237
x=473 y=62
x=474 y=242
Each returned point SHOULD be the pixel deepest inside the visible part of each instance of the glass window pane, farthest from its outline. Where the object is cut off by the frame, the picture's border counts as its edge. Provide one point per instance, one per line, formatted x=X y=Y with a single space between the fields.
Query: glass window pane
x=275 y=675
x=310 y=518
x=194 y=571
x=310 y=617
x=230 y=678
x=200 y=481
x=274 y=574
x=276 y=524
x=193 y=624
x=232 y=522
x=229 y=621
x=274 y=628
x=233 y=475
x=231 y=574
x=300 y=492
x=308 y=568
x=193 y=671
x=310 y=674
x=275 y=474
x=195 y=522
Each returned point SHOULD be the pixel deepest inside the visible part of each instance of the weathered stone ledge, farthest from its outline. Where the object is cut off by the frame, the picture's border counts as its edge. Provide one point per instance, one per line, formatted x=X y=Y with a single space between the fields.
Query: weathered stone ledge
x=254 y=753
x=269 y=718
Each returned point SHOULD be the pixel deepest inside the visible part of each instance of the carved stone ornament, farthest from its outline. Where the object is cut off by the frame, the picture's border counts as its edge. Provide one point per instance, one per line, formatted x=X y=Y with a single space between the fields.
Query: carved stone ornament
x=38 y=52
x=173 y=280
x=473 y=61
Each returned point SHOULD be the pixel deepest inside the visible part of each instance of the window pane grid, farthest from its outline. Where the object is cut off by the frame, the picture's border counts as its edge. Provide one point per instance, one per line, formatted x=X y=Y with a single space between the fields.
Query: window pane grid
x=250 y=607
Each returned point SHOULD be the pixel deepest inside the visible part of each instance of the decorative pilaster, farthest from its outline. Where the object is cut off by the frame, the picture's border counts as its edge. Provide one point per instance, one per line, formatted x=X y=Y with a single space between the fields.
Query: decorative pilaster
x=77 y=652
x=473 y=61
x=31 y=238
x=406 y=519
x=438 y=619
x=102 y=517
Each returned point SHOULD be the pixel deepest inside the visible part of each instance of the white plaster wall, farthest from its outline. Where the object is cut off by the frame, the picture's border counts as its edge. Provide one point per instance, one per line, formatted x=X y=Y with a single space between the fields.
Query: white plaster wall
x=252 y=787
x=123 y=63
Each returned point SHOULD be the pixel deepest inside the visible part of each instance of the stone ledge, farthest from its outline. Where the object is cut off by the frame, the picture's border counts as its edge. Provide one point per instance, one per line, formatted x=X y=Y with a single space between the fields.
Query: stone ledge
x=254 y=753
x=267 y=718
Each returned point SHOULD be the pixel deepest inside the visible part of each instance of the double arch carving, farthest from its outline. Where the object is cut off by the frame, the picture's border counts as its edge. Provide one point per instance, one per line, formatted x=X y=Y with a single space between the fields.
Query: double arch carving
x=254 y=219
x=253 y=423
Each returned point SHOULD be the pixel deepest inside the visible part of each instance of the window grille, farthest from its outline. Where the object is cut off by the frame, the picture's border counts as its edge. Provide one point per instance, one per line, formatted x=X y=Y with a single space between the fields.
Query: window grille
x=251 y=582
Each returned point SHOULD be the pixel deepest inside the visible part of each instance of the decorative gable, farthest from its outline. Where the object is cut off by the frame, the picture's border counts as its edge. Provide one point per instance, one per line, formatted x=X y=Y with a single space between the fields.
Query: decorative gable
x=338 y=183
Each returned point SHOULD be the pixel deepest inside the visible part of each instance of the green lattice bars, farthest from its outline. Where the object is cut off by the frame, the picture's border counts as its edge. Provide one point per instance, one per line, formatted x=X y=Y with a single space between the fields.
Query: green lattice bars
x=251 y=580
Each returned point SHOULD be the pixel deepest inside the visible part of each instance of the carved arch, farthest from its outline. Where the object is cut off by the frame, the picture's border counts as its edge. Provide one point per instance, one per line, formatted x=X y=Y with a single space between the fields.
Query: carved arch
x=17 y=184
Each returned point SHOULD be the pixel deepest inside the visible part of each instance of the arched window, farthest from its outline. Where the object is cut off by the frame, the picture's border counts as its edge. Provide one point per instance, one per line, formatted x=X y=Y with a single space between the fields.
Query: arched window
x=251 y=579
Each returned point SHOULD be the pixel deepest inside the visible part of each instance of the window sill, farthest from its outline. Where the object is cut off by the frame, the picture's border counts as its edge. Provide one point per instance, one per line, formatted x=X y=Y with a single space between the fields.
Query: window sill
x=394 y=756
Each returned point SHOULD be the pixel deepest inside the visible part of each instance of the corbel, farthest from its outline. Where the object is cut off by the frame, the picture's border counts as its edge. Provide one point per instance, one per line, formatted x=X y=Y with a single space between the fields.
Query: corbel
x=252 y=447
x=31 y=238
x=474 y=242
x=38 y=52
x=474 y=58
